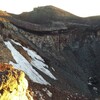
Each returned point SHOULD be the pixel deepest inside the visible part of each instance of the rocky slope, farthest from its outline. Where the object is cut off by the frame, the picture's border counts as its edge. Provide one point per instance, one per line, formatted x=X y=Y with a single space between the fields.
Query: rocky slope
x=50 y=13
x=13 y=84
x=61 y=63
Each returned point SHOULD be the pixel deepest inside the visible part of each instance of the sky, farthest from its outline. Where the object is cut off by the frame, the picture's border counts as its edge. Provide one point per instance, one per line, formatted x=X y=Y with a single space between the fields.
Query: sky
x=82 y=8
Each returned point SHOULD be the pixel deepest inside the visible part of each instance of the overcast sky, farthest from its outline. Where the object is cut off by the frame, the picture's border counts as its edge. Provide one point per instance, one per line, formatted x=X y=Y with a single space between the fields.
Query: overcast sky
x=81 y=8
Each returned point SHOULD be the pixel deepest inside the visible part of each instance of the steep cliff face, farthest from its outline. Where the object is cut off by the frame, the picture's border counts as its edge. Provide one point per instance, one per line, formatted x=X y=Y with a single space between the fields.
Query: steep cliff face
x=57 y=62
x=13 y=84
x=53 y=46
x=78 y=50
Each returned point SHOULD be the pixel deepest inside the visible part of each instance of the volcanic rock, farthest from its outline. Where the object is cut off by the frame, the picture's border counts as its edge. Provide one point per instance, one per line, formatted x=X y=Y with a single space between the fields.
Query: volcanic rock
x=13 y=84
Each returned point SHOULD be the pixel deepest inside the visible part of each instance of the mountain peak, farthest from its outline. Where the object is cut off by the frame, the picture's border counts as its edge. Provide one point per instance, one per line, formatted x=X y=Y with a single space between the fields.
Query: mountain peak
x=57 y=10
x=48 y=14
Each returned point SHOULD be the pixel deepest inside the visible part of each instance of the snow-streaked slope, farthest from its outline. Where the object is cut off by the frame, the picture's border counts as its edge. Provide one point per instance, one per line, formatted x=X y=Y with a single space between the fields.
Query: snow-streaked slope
x=37 y=61
x=24 y=65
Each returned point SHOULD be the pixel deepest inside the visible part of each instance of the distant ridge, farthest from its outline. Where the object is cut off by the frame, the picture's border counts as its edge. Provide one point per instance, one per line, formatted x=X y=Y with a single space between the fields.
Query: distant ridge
x=46 y=14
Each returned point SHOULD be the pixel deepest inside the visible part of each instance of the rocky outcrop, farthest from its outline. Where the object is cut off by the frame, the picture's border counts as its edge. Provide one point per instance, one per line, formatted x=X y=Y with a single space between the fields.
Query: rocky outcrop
x=53 y=49
x=4 y=17
x=13 y=84
x=78 y=51
x=72 y=56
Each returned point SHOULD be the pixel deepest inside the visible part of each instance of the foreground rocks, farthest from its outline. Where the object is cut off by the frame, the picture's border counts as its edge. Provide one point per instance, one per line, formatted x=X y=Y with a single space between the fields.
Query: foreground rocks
x=13 y=84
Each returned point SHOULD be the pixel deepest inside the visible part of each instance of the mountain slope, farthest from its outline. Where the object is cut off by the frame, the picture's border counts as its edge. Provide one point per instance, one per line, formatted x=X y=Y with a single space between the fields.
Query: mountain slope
x=47 y=15
x=19 y=51
x=65 y=64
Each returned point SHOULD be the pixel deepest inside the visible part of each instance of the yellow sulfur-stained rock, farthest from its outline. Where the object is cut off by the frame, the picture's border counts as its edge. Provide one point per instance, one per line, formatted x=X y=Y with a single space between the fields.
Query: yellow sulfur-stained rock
x=13 y=84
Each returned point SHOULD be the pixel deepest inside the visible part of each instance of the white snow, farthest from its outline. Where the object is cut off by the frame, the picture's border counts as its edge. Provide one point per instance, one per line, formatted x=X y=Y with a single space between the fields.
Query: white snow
x=47 y=91
x=24 y=65
x=53 y=69
x=30 y=51
x=33 y=55
x=89 y=83
x=37 y=61
x=95 y=89
x=90 y=78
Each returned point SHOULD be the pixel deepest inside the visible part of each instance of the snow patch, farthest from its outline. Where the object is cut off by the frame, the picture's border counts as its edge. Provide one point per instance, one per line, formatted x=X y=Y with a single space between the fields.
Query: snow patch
x=31 y=52
x=47 y=91
x=37 y=61
x=24 y=65
x=95 y=89
x=53 y=69
x=89 y=83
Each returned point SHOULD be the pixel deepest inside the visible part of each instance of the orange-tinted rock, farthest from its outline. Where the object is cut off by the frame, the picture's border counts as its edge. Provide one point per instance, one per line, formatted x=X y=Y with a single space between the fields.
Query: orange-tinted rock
x=13 y=84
